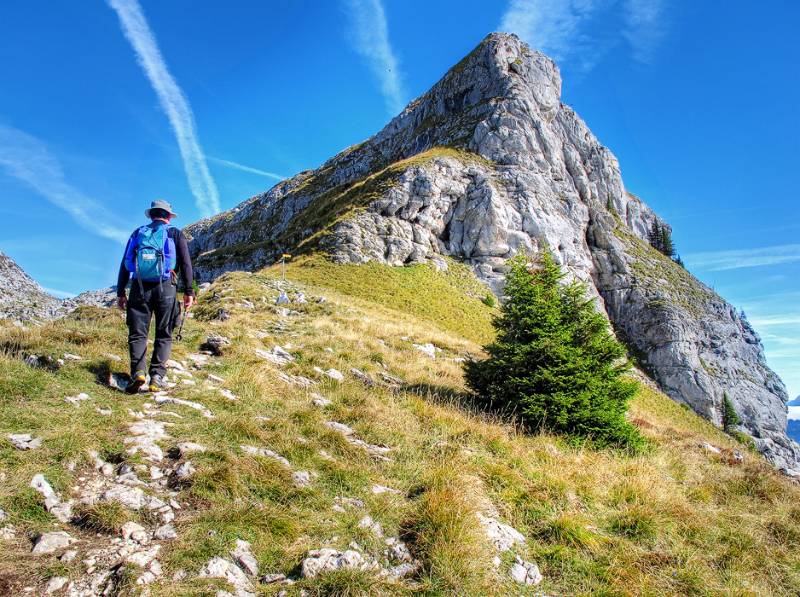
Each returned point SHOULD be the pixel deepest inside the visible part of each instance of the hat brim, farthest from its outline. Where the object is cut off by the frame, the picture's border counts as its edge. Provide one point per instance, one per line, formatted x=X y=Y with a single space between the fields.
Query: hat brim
x=147 y=212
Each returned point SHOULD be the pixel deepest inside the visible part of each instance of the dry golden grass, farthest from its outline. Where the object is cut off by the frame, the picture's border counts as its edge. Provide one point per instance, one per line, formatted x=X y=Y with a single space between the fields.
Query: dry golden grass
x=675 y=520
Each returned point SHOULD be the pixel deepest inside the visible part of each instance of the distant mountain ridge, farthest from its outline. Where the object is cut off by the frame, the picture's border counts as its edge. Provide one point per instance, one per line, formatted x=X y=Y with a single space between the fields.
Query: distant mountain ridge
x=487 y=163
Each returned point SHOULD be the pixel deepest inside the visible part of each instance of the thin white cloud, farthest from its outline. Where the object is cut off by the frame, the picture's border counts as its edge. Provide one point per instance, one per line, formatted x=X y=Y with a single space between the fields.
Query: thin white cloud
x=244 y=168
x=714 y=261
x=173 y=102
x=566 y=30
x=555 y=27
x=27 y=159
x=794 y=413
x=772 y=320
x=644 y=27
x=371 y=40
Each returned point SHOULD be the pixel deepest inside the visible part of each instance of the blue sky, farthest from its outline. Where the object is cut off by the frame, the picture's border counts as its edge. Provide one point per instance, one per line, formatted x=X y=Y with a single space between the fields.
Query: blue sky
x=107 y=105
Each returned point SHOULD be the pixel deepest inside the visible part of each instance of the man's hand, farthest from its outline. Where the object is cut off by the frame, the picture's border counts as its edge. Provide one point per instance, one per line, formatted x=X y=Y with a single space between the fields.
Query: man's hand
x=188 y=301
x=122 y=302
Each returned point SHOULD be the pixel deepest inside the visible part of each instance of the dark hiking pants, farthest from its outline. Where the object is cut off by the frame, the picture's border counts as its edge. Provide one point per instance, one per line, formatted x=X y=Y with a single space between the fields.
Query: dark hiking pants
x=143 y=303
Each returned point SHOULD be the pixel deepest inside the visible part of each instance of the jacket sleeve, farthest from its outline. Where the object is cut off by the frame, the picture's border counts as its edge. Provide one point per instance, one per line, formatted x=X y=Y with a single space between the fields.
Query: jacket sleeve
x=124 y=275
x=184 y=262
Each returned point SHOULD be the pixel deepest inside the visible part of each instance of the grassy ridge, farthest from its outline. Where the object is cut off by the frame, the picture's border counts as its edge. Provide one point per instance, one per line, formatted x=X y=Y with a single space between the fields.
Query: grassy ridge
x=677 y=520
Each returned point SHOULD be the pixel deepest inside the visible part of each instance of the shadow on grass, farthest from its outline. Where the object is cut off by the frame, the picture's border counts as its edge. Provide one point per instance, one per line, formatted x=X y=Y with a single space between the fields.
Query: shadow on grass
x=464 y=401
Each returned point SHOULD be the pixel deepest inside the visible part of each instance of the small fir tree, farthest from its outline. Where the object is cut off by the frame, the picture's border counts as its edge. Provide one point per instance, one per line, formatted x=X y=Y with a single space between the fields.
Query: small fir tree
x=554 y=363
x=730 y=418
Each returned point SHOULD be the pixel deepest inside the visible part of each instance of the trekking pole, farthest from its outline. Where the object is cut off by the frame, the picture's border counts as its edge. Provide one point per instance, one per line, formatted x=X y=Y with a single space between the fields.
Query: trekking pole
x=179 y=337
x=284 y=257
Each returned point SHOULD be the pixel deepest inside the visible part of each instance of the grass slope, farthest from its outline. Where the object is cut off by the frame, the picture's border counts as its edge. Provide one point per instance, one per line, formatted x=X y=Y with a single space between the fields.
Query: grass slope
x=677 y=520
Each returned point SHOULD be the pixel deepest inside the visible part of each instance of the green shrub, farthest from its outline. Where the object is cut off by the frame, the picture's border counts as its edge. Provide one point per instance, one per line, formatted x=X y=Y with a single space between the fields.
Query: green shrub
x=489 y=300
x=730 y=418
x=554 y=363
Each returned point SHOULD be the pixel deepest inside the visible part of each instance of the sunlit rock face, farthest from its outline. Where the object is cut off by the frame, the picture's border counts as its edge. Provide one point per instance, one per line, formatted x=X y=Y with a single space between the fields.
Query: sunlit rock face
x=489 y=163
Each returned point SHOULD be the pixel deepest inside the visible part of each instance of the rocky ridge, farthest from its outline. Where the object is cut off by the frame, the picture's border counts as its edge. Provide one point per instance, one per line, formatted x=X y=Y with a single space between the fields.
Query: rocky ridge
x=21 y=298
x=488 y=163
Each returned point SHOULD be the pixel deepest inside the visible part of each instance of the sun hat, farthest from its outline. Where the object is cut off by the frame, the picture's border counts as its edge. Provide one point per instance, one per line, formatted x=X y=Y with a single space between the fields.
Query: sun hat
x=160 y=204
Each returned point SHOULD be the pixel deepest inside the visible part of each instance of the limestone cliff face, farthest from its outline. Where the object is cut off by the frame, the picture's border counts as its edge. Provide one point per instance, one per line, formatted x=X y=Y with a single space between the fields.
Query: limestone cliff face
x=487 y=163
x=21 y=298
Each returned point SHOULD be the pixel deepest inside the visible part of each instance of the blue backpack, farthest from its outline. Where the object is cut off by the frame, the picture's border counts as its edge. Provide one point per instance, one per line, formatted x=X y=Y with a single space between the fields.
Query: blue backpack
x=150 y=256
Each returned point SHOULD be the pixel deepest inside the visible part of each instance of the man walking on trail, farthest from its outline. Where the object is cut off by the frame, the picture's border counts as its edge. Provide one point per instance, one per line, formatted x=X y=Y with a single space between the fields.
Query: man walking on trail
x=154 y=257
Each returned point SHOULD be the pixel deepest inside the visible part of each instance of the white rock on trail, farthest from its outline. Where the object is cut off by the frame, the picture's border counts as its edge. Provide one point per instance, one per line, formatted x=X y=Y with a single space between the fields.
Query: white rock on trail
x=165 y=399
x=50 y=542
x=320 y=561
x=334 y=374
x=218 y=567
x=52 y=502
x=243 y=555
x=55 y=584
x=165 y=532
x=267 y=453
x=135 y=532
x=24 y=441
x=525 y=573
x=502 y=536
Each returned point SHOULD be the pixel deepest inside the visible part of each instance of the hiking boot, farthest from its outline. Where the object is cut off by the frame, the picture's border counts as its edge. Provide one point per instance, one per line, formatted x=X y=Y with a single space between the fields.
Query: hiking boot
x=136 y=382
x=156 y=383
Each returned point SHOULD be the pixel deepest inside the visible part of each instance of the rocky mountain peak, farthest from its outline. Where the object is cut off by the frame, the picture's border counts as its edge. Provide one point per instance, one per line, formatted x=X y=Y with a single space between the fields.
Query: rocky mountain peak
x=488 y=163
x=21 y=298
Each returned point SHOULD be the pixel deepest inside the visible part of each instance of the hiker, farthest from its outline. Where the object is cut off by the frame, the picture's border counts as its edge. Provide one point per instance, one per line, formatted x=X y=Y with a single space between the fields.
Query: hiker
x=155 y=254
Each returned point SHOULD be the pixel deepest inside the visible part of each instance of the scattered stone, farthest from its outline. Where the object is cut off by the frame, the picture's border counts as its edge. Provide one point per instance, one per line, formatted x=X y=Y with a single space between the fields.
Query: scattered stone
x=269 y=579
x=165 y=532
x=297 y=380
x=68 y=556
x=320 y=561
x=215 y=378
x=277 y=355
x=56 y=584
x=525 y=573
x=72 y=357
x=164 y=399
x=218 y=567
x=113 y=357
x=106 y=412
x=173 y=364
x=184 y=471
x=427 y=349
x=7 y=533
x=222 y=315
x=132 y=497
x=300 y=298
x=391 y=379
x=3 y=515
x=143 y=558
x=371 y=525
x=24 y=441
x=342 y=503
x=404 y=569
x=302 y=478
x=503 y=536
x=267 y=453
x=76 y=400
x=135 y=532
x=185 y=448
x=52 y=503
x=244 y=557
x=283 y=298
x=50 y=542
x=709 y=448
x=398 y=550
x=199 y=360
x=334 y=374
x=362 y=377
x=117 y=381
x=320 y=401
x=215 y=344
x=228 y=394
x=379 y=489
x=340 y=427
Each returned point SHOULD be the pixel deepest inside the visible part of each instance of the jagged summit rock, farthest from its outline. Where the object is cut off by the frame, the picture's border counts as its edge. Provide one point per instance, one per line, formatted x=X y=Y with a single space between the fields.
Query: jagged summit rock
x=488 y=163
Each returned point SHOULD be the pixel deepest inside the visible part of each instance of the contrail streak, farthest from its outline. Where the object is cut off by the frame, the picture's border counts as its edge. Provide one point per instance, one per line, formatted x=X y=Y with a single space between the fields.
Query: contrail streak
x=173 y=101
